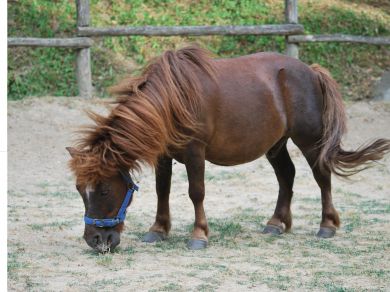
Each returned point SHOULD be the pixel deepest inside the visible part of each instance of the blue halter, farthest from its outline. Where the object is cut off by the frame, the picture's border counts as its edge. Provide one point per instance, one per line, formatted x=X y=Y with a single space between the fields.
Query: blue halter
x=120 y=217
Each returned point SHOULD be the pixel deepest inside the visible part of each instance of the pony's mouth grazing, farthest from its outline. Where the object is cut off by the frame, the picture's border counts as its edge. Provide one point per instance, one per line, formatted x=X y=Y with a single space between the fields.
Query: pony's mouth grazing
x=103 y=247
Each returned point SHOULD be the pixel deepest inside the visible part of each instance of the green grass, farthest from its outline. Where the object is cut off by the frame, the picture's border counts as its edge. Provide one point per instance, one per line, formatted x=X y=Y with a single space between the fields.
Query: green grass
x=275 y=281
x=170 y=287
x=225 y=228
x=104 y=259
x=173 y=242
x=374 y=207
x=55 y=190
x=54 y=225
x=354 y=222
x=47 y=71
x=206 y=288
x=61 y=194
x=221 y=176
x=103 y=284
x=15 y=263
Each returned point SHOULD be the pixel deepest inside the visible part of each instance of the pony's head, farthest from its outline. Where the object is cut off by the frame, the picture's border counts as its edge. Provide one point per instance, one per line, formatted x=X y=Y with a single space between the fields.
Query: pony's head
x=106 y=194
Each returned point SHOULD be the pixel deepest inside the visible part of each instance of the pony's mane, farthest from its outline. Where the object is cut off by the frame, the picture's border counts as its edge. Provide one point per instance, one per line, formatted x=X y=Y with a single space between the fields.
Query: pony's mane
x=153 y=111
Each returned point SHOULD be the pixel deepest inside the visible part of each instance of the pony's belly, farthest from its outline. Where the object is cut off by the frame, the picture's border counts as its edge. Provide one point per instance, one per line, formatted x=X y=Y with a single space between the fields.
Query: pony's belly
x=227 y=161
x=236 y=153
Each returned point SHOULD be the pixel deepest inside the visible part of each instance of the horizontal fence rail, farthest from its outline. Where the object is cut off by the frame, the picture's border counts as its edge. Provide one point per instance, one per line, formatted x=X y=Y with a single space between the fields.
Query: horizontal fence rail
x=279 y=29
x=75 y=43
x=342 y=38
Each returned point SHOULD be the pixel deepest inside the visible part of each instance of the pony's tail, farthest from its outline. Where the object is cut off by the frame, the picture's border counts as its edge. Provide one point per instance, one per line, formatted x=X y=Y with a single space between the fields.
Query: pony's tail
x=332 y=157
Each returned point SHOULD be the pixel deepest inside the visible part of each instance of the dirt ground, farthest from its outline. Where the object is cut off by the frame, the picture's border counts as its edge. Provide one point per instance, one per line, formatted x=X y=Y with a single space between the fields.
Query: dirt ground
x=46 y=251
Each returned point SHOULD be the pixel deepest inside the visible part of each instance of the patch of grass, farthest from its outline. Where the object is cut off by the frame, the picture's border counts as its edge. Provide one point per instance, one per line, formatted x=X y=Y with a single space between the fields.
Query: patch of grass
x=128 y=252
x=12 y=193
x=104 y=259
x=56 y=190
x=206 y=287
x=354 y=270
x=108 y=282
x=332 y=287
x=223 y=231
x=171 y=243
x=56 y=224
x=249 y=216
x=354 y=221
x=171 y=287
x=225 y=228
x=269 y=238
x=222 y=175
x=348 y=194
x=316 y=200
x=37 y=227
x=379 y=273
x=12 y=213
x=325 y=280
x=201 y=266
x=374 y=207
x=51 y=73
x=44 y=184
x=327 y=245
x=14 y=263
x=30 y=284
x=60 y=194
x=278 y=281
x=41 y=71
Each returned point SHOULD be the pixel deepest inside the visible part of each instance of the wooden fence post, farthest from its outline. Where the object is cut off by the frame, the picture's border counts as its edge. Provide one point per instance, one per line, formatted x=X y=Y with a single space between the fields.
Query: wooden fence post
x=83 y=66
x=291 y=14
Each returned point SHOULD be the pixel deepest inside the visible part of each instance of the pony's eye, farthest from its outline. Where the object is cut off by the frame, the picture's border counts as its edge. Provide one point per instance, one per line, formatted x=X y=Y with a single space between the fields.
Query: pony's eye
x=104 y=193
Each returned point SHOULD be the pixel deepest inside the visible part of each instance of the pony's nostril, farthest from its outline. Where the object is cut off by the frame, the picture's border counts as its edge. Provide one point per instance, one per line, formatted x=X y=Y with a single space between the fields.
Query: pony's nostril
x=97 y=239
x=109 y=239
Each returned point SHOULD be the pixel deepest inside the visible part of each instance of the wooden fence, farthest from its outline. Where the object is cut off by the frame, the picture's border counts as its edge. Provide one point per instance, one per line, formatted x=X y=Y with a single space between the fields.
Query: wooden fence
x=292 y=31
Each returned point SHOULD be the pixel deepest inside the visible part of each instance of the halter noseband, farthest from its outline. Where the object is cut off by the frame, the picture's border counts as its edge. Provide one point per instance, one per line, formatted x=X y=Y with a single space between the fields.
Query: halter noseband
x=120 y=217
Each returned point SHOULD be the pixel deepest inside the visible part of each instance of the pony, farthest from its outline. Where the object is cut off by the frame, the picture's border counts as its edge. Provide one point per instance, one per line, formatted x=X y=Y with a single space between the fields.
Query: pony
x=190 y=107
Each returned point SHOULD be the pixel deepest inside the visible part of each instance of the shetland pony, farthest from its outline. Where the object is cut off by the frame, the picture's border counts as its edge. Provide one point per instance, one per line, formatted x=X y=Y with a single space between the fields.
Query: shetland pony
x=189 y=107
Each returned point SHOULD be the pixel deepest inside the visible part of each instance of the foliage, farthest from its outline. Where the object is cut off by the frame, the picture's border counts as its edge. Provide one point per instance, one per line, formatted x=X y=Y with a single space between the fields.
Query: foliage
x=51 y=71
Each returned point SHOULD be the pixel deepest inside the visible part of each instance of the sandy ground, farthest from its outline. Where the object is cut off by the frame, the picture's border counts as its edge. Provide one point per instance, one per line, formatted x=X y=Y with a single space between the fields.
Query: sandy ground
x=46 y=251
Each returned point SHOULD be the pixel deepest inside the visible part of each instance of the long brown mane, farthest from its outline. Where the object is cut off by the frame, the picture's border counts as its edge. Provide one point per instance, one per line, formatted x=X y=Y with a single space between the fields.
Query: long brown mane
x=154 y=111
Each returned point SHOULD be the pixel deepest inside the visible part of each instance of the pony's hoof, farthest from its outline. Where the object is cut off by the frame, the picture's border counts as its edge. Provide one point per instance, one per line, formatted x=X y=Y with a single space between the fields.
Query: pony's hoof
x=152 y=236
x=326 y=232
x=273 y=229
x=195 y=244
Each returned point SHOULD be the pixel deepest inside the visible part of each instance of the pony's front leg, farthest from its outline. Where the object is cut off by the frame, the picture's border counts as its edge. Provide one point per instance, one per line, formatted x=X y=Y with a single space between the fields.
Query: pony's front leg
x=195 y=165
x=162 y=225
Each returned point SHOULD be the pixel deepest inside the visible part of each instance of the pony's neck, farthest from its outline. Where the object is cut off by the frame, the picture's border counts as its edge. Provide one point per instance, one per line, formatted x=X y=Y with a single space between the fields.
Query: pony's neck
x=155 y=112
x=159 y=109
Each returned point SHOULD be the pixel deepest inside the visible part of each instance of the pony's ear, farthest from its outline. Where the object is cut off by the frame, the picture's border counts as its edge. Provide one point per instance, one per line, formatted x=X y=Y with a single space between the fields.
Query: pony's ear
x=72 y=151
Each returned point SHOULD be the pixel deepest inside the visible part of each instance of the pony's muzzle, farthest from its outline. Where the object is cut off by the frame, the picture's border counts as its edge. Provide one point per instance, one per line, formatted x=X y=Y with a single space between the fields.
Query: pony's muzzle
x=101 y=239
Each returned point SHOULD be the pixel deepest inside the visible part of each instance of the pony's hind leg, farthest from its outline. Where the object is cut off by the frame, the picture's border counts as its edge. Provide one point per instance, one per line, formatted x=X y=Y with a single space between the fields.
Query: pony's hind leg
x=285 y=173
x=162 y=225
x=330 y=218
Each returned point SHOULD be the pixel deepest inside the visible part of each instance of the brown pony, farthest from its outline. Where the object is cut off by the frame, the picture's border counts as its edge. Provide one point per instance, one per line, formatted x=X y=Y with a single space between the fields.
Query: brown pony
x=191 y=108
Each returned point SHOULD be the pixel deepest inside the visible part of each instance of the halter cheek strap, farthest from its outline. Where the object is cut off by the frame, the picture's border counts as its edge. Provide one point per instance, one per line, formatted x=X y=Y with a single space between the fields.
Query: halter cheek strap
x=120 y=217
